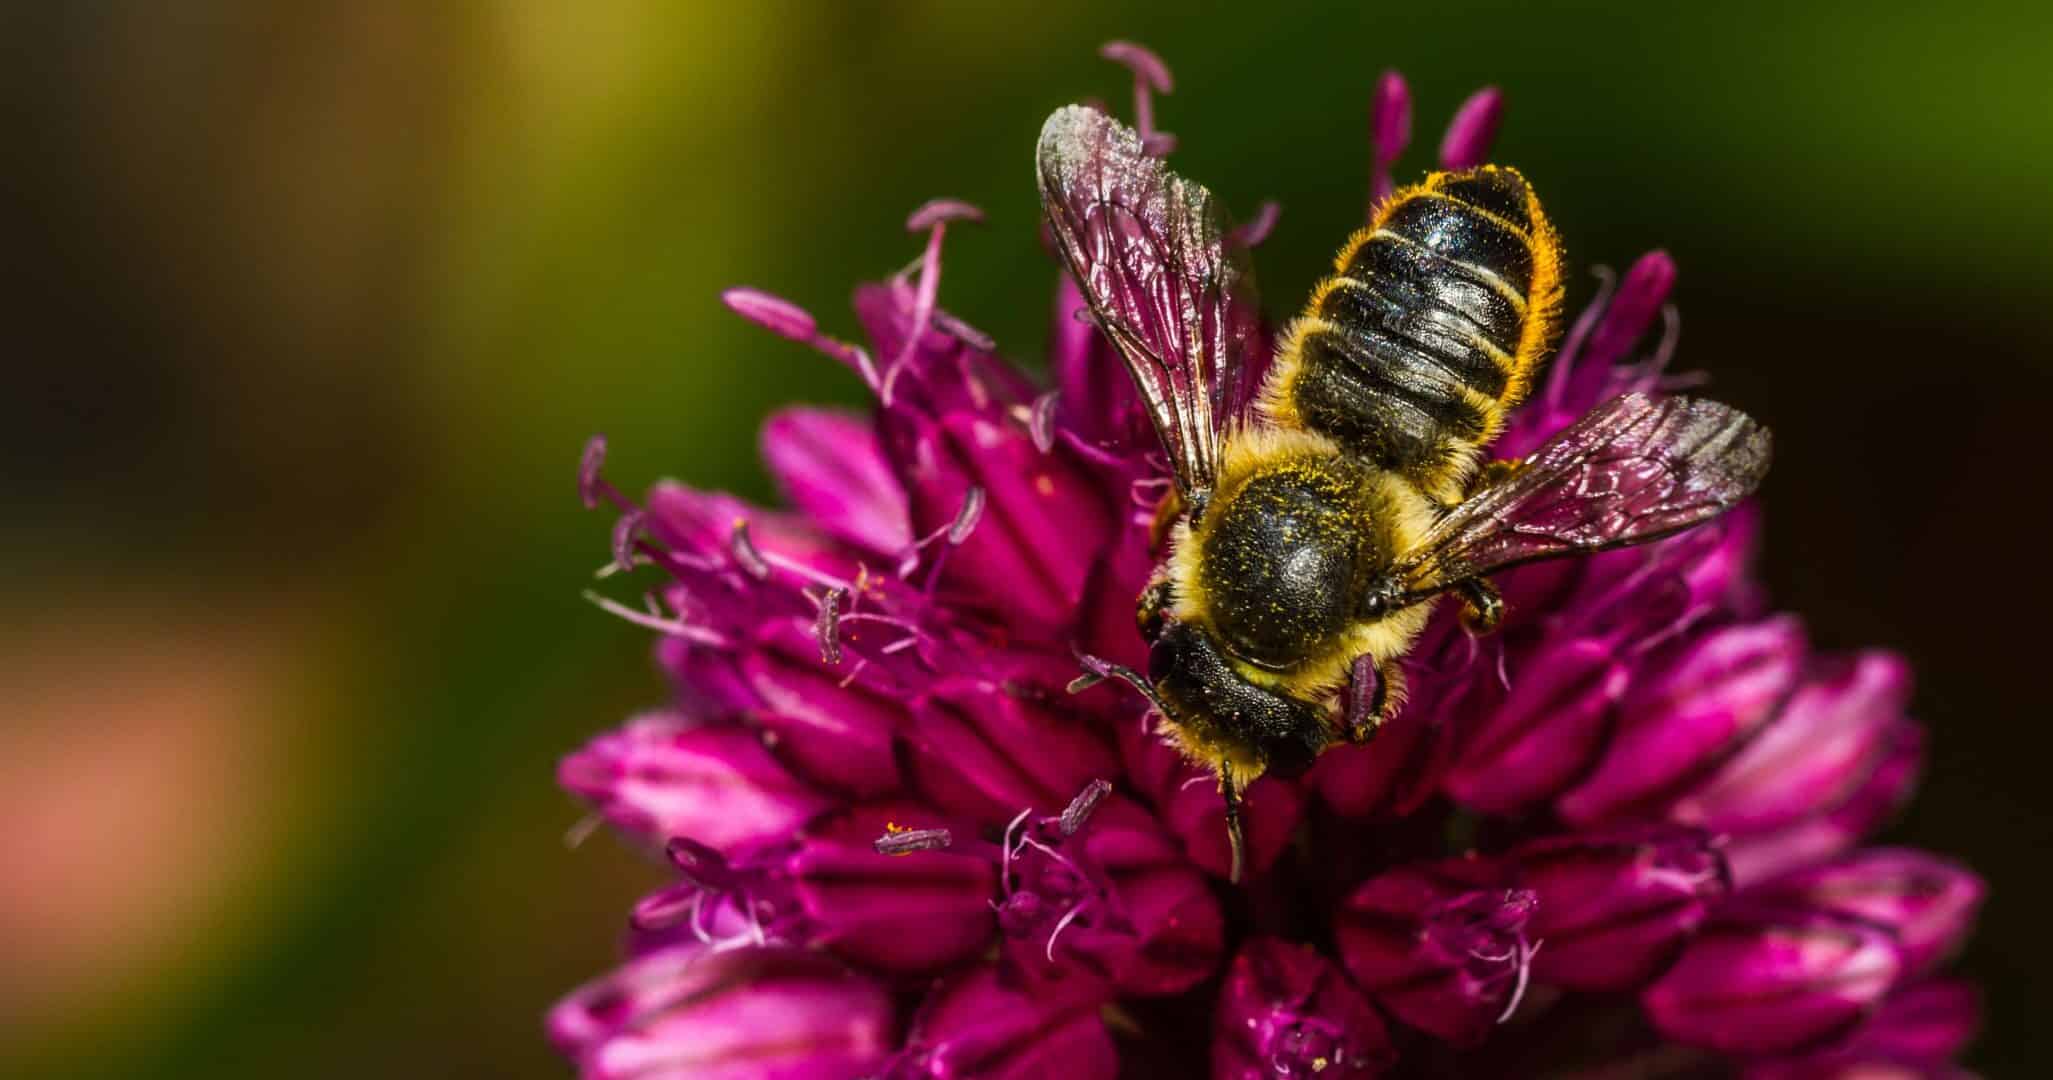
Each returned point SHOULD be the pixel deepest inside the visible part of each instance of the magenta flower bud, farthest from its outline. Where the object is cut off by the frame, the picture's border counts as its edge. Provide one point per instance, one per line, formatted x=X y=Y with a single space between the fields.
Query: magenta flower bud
x=1835 y=828
x=1440 y=947
x=1769 y=983
x=661 y=776
x=1113 y=901
x=987 y=748
x=1719 y=689
x=977 y=1025
x=1615 y=906
x=1389 y=131
x=1928 y=901
x=1917 y=1032
x=1828 y=739
x=1473 y=129
x=1552 y=721
x=1041 y=527
x=920 y=912
x=832 y=726
x=770 y=548
x=1287 y=1013
x=831 y=467
x=744 y=1014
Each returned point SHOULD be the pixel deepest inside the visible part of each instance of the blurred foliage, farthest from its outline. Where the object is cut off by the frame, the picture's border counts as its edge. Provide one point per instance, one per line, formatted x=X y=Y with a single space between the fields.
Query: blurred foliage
x=318 y=302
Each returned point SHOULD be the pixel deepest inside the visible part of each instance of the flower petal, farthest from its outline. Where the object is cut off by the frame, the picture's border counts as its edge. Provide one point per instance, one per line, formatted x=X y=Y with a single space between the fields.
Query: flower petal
x=978 y=1026
x=1615 y=906
x=832 y=468
x=1928 y=901
x=746 y=1014
x=660 y=777
x=1721 y=687
x=1758 y=984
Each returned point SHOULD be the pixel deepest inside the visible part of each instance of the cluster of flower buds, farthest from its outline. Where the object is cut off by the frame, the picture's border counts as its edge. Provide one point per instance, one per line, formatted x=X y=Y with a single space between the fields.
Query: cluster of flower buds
x=1625 y=829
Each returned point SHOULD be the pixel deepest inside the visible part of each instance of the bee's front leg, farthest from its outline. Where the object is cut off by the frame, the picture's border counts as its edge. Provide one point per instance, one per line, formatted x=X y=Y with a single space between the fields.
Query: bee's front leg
x=1151 y=612
x=1374 y=694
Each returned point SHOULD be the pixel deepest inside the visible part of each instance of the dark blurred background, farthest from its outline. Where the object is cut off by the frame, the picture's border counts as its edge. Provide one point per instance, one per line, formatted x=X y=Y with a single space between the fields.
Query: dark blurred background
x=312 y=305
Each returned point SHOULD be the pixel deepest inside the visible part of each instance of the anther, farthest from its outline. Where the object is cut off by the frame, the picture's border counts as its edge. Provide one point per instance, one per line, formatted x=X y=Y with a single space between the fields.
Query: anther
x=1472 y=130
x=907 y=841
x=589 y=482
x=745 y=551
x=625 y=532
x=1079 y=809
x=967 y=515
x=1041 y=421
x=827 y=626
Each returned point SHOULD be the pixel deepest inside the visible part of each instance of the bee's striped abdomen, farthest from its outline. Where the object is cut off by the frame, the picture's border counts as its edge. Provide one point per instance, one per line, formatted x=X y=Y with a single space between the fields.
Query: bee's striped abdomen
x=1431 y=328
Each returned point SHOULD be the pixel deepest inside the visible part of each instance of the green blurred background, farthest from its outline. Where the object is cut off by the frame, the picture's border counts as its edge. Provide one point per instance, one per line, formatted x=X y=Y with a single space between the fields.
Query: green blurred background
x=315 y=302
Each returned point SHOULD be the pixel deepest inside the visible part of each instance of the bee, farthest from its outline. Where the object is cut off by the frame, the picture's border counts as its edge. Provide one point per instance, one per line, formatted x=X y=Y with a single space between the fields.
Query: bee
x=1320 y=511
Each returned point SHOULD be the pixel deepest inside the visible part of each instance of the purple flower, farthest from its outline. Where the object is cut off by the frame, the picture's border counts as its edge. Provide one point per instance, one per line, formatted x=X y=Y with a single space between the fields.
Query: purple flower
x=1626 y=827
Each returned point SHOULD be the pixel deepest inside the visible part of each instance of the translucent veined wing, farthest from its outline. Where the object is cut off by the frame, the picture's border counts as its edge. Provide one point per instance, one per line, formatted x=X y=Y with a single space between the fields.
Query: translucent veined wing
x=1631 y=470
x=1151 y=254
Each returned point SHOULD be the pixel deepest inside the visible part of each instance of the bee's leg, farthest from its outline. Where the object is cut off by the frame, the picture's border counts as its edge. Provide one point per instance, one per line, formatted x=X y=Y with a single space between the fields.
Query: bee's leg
x=1368 y=693
x=1482 y=606
x=1236 y=837
x=1152 y=609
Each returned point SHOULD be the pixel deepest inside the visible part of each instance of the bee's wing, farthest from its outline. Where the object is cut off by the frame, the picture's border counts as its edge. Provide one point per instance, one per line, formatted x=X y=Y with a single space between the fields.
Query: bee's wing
x=1631 y=470
x=1150 y=252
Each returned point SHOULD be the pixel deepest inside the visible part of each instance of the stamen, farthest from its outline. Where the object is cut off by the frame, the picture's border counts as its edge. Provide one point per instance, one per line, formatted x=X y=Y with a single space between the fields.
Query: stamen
x=1068 y=917
x=932 y=216
x=964 y=332
x=1472 y=130
x=907 y=841
x=1079 y=810
x=967 y=515
x=1011 y=850
x=625 y=532
x=697 y=635
x=1389 y=133
x=745 y=551
x=788 y=320
x=1257 y=228
x=1150 y=76
x=575 y=836
x=1041 y=421
x=1525 y=972
x=827 y=627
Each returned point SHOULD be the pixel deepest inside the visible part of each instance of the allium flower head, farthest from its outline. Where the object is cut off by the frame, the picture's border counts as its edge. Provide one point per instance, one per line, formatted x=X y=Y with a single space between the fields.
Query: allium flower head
x=1624 y=832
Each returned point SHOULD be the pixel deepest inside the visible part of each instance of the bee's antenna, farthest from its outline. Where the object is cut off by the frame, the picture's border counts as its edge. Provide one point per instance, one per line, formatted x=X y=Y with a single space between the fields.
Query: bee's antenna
x=1236 y=838
x=1097 y=671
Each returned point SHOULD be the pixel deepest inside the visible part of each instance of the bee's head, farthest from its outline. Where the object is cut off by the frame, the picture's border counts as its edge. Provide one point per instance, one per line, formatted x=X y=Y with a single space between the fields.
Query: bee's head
x=1205 y=695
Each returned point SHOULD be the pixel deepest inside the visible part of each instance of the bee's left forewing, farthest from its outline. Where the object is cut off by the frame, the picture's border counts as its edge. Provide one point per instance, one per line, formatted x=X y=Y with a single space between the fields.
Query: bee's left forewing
x=1632 y=470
